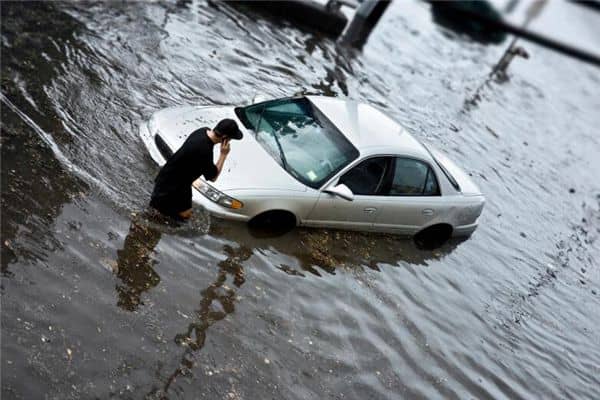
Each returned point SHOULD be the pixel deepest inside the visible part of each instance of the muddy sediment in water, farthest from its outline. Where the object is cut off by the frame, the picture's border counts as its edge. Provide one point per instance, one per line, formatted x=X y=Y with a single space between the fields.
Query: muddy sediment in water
x=100 y=301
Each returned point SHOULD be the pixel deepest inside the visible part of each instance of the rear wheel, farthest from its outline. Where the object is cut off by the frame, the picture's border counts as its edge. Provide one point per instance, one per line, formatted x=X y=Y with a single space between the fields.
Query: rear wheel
x=272 y=223
x=433 y=237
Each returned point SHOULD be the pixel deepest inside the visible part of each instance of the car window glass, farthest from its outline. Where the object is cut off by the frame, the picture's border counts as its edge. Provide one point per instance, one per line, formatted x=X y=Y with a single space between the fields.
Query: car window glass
x=367 y=177
x=300 y=138
x=412 y=177
x=431 y=185
x=289 y=108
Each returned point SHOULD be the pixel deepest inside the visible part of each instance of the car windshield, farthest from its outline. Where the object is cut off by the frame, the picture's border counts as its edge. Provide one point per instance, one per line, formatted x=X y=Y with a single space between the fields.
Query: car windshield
x=300 y=138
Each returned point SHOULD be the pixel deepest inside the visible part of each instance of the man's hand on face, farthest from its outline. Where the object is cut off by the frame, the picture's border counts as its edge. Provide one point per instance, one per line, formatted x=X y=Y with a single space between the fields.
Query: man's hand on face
x=225 y=146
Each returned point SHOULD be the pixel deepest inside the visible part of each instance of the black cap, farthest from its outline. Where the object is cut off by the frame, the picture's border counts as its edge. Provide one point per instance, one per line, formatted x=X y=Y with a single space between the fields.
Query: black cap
x=228 y=127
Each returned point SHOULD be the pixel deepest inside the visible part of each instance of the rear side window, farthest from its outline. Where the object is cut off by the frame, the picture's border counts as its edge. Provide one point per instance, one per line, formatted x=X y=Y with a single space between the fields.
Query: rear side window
x=367 y=177
x=413 y=178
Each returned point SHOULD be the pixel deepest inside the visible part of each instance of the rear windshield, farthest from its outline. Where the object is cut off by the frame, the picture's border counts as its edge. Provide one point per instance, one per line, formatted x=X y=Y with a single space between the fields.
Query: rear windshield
x=444 y=170
x=448 y=174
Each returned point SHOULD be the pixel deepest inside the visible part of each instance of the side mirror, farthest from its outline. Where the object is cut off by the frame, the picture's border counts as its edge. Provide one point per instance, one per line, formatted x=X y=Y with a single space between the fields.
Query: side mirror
x=342 y=191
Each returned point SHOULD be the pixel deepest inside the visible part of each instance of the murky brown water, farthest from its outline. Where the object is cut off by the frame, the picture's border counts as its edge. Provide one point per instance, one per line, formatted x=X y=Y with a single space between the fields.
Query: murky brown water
x=99 y=303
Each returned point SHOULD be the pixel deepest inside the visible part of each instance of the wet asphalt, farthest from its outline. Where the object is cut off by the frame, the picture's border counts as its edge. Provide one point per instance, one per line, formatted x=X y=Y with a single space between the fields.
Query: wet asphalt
x=99 y=301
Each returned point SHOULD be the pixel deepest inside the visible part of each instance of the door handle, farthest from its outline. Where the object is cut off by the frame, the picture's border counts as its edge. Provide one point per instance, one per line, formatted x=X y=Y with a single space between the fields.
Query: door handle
x=427 y=211
x=370 y=210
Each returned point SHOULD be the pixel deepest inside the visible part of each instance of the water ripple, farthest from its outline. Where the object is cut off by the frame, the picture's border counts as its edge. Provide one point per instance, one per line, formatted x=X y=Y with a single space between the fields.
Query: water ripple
x=100 y=300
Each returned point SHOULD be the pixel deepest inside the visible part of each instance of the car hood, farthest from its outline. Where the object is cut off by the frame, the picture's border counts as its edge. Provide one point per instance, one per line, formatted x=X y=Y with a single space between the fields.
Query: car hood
x=248 y=165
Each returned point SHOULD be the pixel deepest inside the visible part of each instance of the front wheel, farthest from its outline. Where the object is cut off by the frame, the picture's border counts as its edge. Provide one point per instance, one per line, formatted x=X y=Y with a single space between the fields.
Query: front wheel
x=272 y=223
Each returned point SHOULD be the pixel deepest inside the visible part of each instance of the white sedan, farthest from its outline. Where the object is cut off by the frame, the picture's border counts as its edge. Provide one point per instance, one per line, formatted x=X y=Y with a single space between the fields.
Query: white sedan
x=324 y=162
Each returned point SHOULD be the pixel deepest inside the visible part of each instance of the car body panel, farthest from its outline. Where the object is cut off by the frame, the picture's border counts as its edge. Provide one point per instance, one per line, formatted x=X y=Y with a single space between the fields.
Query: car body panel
x=252 y=176
x=258 y=201
x=407 y=214
x=335 y=212
x=247 y=154
x=217 y=209
x=369 y=129
x=467 y=186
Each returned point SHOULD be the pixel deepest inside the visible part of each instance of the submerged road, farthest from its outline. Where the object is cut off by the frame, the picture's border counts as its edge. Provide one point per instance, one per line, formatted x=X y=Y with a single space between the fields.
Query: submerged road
x=98 y=303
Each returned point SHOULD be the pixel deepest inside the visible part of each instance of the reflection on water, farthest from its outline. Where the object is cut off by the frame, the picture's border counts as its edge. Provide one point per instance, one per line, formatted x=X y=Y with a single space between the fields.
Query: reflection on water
x=97 y=303
x=317 y=252
x=216 y=292
x=134 y=265
x=218 y=300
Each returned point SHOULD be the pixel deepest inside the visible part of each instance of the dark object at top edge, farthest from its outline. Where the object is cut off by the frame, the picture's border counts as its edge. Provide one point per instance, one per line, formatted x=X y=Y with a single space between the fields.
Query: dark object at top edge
x=310 y=14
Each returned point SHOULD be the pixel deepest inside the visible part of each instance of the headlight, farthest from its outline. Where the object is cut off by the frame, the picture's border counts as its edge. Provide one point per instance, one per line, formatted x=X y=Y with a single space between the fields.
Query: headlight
x=217 y=196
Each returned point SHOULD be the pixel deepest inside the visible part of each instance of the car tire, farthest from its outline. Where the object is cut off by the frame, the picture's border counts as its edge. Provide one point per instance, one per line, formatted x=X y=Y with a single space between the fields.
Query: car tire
x=433 y=236
x=272 y=223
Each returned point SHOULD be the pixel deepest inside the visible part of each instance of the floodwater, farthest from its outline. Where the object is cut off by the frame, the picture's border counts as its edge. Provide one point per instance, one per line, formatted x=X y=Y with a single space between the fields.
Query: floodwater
x=97 y=302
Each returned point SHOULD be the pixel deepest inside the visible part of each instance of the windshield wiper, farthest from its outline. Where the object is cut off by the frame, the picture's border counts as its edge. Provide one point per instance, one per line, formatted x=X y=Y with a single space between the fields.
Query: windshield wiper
x=283 y=160
x=259 y=120
x=281 y=156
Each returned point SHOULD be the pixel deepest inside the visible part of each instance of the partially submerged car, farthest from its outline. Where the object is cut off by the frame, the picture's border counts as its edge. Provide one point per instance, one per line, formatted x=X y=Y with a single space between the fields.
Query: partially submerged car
x=324 y=162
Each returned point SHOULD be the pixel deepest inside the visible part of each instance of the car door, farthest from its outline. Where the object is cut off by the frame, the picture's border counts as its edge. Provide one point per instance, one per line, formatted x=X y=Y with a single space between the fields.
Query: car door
x=365 y=181
x=413 y=197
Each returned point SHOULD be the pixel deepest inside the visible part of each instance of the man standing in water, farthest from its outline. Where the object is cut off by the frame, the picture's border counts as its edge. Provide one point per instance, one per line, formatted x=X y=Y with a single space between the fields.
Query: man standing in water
x=172 y=194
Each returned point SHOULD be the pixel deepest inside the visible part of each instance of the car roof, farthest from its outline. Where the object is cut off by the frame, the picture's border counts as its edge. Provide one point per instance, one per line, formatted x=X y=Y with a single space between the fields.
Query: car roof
x=369 y=130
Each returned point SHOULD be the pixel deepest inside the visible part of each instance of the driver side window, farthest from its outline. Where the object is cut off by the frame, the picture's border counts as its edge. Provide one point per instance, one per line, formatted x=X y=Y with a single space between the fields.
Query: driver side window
x=367 y=177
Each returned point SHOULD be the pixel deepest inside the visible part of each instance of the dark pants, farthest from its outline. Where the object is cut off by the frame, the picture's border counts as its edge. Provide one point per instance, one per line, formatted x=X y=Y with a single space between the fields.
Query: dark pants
x=171 y=206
